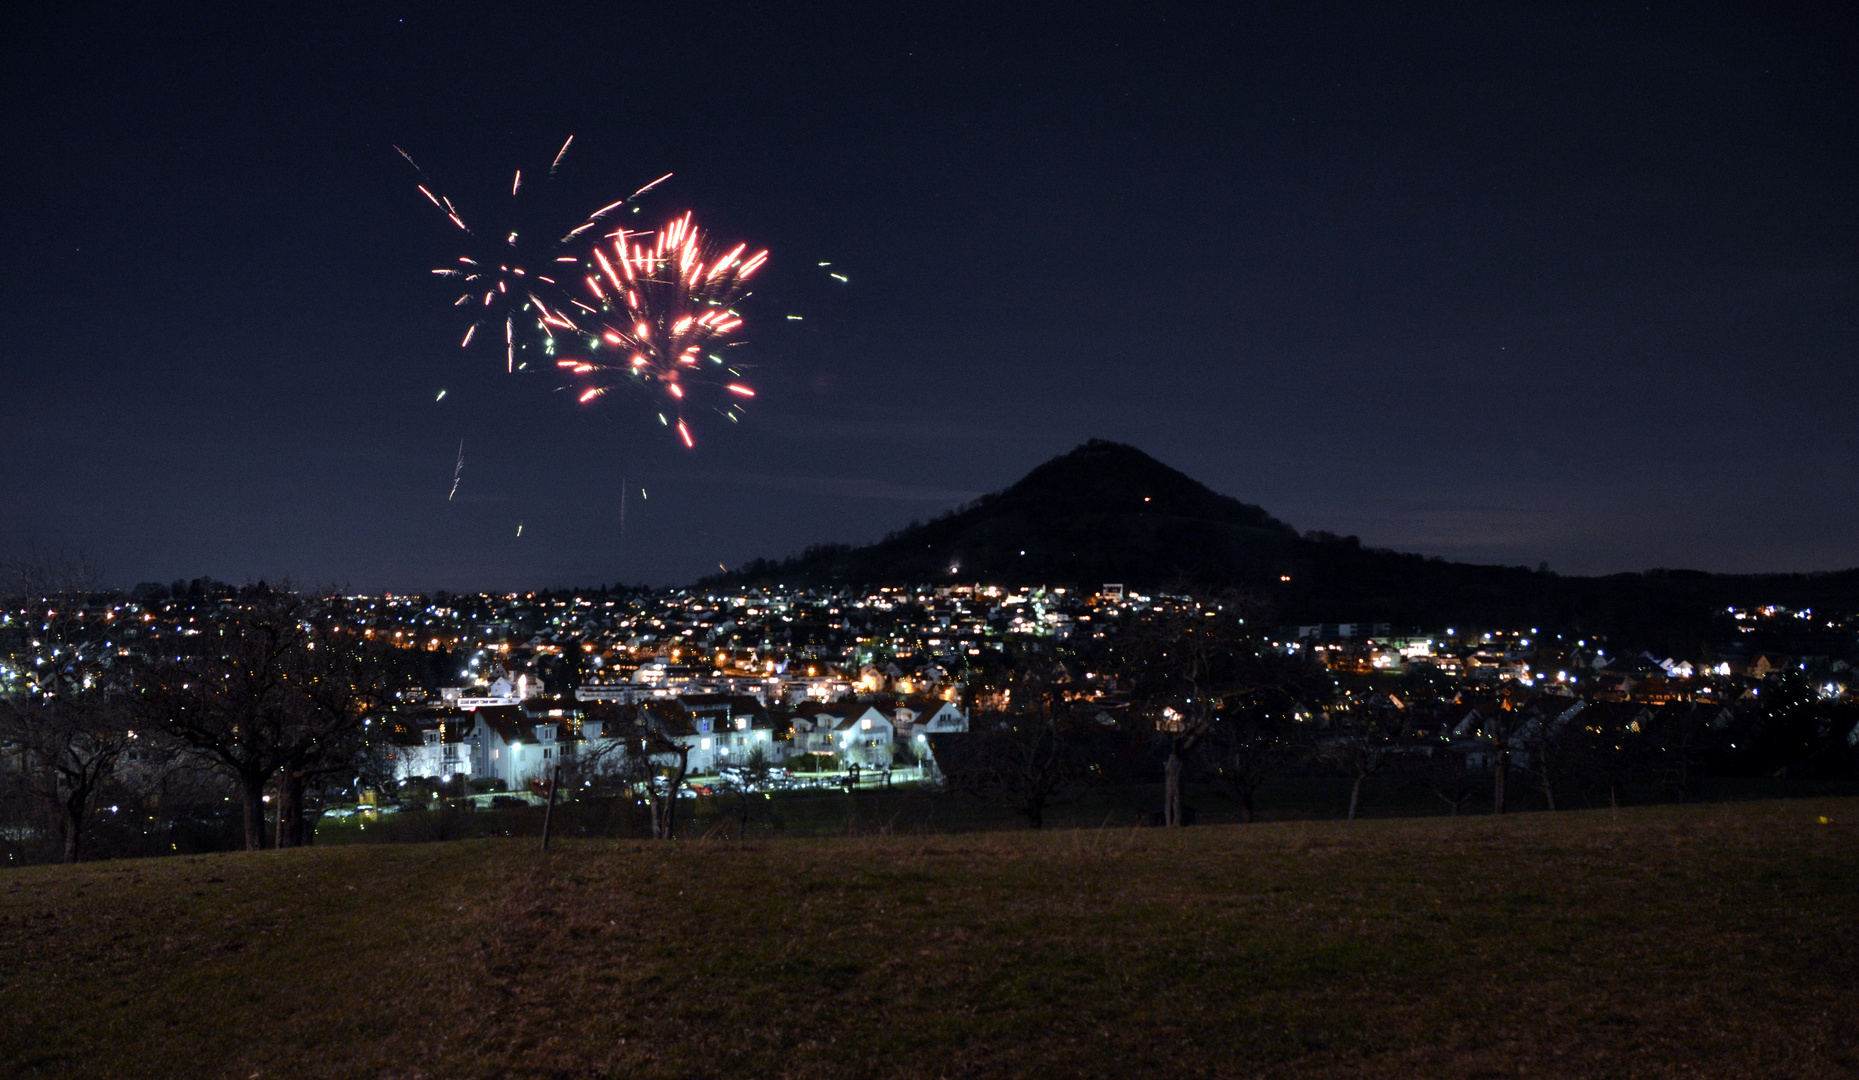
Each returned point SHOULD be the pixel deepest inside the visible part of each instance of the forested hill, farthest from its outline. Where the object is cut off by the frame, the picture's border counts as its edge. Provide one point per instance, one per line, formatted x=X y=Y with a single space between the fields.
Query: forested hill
x=1107 y=512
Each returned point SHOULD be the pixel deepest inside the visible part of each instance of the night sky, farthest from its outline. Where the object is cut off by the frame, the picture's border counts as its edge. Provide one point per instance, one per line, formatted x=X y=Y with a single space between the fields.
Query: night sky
x=1493 y=282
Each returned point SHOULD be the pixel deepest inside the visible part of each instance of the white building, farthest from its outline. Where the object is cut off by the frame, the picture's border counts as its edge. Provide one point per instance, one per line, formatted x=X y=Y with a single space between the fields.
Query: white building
x=867 y=739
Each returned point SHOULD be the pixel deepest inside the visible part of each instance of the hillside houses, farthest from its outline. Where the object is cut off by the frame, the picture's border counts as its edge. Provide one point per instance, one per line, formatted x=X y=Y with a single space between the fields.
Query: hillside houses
x=516 y=746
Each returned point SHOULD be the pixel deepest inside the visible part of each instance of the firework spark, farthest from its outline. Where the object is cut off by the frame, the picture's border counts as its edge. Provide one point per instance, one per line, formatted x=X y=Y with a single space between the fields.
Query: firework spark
x=458 y=470
x=662 y=307
x=506 y=275
x=637 y=310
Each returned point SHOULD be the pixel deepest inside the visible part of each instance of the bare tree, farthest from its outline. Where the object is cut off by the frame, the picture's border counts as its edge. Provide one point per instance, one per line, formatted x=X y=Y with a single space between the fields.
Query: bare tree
x=1500 y=729
x=651 y=759
x=1362 y=742
x=345 y=682
x=1256 y=734
x=746 y=783
x=1242 y=753
x=1191 y=666
x=61 y=707
x=1544 y=737
x=1450 y=777
x=277 y=688
x=57 y=677
x=596 y=763
x=1024 y=756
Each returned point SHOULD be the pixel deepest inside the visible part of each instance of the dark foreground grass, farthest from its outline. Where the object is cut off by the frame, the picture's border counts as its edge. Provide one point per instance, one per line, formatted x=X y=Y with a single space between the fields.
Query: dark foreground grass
x=1666 y=941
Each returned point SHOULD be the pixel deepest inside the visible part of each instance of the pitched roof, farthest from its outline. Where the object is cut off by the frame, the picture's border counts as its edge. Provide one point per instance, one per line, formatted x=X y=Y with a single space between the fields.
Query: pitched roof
x=668 y=718
x=507 y=721
x=852 y=721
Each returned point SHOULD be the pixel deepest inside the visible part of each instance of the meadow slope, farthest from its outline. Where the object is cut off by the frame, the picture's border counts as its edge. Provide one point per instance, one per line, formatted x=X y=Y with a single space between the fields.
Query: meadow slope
x=1718 y=940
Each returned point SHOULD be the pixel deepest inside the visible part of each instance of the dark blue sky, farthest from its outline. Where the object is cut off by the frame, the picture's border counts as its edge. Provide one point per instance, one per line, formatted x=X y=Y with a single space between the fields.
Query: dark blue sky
x=1570 y=284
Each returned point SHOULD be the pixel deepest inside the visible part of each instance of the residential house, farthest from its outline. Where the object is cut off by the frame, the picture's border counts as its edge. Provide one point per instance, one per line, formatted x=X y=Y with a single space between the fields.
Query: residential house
x=731 y=728
x=509 y=745
x=812 y=732
x=866 y=739
x=439 y=749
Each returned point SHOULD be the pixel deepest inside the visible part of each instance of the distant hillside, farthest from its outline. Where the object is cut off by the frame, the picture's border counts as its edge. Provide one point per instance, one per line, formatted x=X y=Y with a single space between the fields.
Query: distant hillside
x=1107 y=512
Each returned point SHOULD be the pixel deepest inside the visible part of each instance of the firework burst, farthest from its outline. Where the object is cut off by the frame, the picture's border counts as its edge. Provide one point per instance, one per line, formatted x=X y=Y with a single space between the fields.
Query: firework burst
x=655 y=312
x=511 y=277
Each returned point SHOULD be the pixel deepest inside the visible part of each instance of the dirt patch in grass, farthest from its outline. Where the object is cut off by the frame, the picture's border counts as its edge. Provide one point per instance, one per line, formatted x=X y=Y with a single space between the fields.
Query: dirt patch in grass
x=1666 y=941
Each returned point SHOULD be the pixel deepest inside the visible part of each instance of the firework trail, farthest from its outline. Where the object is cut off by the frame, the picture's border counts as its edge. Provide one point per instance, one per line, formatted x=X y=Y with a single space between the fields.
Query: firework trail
x=458 y=470
x=510 y=275
x=660 y=308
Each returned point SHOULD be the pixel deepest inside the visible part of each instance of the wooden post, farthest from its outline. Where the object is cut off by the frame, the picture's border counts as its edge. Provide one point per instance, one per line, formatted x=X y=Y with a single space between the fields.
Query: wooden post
x=548 y=816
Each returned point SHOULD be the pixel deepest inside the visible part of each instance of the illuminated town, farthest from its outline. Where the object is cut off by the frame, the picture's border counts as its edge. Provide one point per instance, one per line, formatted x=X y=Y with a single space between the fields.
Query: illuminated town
x=853 y=687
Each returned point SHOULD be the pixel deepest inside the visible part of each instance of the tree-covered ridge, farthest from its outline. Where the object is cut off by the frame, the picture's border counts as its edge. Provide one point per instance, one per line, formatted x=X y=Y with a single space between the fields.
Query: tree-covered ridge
x=1107 y=512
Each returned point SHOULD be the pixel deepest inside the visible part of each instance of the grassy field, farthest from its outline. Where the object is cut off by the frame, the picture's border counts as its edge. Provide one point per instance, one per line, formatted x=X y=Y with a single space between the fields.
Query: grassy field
x=1718 y=940
x=909 y=808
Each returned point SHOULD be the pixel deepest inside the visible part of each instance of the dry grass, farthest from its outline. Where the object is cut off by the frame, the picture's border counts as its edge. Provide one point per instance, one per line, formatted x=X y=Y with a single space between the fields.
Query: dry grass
x=1669 y=941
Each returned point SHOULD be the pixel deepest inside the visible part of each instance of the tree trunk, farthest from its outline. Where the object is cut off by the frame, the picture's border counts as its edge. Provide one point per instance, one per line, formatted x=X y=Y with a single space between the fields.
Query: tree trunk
x=290 y=809
x=1497 y=784
x=1035 y=812
x=1549 y=791
x=1355 y=794
x=75 y=802
x=74 y=830
x=671 y=795
x=654 y=803
x=253 y=795
x=548 y=815
x=1171 y=789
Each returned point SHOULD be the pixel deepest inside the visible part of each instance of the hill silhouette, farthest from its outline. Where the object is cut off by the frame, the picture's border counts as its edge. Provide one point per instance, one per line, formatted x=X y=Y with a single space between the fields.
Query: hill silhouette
x=1107 y=512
